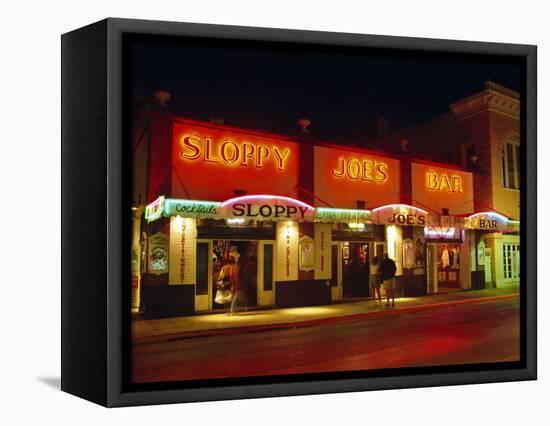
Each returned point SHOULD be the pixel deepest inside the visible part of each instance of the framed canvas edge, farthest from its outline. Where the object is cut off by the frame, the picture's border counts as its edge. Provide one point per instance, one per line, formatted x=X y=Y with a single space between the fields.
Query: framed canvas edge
x=116 y=397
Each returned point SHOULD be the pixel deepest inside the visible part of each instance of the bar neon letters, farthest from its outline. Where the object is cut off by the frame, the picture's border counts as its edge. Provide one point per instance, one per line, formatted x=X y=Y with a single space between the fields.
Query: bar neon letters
x=442 y=182
x=230 y=152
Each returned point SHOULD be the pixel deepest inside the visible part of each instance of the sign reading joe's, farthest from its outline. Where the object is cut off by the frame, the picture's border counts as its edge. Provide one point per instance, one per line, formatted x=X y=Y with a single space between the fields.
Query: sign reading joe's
x=266 y=207
x=401 y=214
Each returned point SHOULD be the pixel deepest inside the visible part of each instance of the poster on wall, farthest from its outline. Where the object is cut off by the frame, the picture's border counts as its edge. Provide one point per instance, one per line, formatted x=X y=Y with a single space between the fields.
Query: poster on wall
x=408 y=254
x=419 y=248
x=306 y=251
x=158 y=254
x=481 y=253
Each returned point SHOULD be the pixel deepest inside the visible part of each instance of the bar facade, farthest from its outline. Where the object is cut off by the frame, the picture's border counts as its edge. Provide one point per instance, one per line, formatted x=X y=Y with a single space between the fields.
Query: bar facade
x=301 y=217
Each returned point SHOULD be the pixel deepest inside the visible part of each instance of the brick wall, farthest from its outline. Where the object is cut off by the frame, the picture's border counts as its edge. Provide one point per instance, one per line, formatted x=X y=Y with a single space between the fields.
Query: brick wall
x=160 y=155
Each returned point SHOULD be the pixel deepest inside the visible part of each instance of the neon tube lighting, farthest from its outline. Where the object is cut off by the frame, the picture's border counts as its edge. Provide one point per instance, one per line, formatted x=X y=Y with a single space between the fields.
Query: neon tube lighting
x=266 y=197
x=489 y=214
x=335 y=210
x=400 y=206
x=182 y=201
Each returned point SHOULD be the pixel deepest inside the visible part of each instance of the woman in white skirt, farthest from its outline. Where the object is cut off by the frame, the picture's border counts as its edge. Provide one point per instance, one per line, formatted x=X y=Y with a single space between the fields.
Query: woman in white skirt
x=375 y=279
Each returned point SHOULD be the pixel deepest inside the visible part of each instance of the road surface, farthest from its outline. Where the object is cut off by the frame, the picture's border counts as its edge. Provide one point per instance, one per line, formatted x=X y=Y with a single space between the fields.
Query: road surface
x=477 y=333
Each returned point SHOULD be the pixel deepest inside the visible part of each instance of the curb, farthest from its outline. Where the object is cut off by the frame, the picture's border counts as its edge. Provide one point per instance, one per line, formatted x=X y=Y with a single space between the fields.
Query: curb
x=313 y=322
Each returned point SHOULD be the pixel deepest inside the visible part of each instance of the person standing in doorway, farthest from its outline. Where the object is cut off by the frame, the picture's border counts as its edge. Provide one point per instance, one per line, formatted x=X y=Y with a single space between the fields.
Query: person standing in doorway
x=388 y=269
x=374 y=278
x=237 y=287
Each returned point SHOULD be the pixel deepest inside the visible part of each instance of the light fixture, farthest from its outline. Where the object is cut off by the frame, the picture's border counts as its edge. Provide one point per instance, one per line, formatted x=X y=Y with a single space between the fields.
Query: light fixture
x=235 y=221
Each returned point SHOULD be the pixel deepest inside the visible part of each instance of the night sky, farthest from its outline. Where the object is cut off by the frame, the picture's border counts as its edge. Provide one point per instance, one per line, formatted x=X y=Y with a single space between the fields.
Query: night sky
x=342 y=92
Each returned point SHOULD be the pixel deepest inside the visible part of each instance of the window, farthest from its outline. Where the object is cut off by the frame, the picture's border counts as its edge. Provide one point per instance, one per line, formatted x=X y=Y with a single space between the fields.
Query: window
x=511 y=261
x=510 y=165
x=470 y=156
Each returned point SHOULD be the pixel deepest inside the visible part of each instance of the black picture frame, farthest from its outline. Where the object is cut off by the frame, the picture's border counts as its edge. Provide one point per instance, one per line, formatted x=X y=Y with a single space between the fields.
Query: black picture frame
x=95 y=229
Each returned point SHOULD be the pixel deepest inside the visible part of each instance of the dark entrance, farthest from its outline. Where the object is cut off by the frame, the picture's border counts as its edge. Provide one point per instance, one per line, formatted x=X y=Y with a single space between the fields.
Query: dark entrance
x=238 y=260
x=448 y=267
x=355 y=263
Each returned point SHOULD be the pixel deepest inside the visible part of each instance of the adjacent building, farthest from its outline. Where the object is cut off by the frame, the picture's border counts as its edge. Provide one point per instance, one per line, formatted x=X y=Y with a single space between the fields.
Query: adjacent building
x=480 y=133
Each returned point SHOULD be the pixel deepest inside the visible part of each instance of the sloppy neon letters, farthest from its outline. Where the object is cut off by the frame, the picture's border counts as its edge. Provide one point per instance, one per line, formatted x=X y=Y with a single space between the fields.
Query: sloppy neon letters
x=232 y=153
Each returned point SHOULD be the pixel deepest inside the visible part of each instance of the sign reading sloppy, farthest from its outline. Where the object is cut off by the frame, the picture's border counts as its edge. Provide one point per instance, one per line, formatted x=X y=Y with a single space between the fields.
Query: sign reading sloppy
x=210 y=161
x=232 y=152
x=265 y=207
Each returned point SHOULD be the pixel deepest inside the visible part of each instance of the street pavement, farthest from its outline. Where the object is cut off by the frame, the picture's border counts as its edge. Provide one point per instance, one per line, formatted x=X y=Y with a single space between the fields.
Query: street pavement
x=455 y=334
x=156 y=330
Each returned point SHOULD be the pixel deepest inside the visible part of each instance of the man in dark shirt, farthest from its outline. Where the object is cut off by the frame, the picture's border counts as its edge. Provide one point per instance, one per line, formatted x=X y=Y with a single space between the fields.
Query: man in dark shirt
x=387 y=270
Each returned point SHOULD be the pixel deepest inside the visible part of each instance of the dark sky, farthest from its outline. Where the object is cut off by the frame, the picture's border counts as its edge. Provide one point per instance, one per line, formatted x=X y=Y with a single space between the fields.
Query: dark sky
x=341 y=92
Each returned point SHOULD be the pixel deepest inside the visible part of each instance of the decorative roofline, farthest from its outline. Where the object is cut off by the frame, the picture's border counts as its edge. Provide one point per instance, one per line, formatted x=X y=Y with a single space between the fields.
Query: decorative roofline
x=494 y=98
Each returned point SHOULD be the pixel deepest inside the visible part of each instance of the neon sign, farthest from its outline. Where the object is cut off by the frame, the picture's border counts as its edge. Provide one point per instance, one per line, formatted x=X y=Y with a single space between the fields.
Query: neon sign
x=154 y=210
x=264 y=207
x=487 y=220
x=443 y=182
x=229 y=152
x=361 y=169
x=327 y=214
x=401 y=214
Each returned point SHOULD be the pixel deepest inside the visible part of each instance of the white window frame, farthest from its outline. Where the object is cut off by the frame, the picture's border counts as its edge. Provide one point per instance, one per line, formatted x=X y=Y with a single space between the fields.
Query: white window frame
x=511 y=261
x=506 y=179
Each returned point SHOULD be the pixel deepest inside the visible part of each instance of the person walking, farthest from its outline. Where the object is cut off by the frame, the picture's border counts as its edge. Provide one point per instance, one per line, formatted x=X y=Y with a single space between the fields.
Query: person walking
x=374 y=279
x=388 y=269
x=237 y=287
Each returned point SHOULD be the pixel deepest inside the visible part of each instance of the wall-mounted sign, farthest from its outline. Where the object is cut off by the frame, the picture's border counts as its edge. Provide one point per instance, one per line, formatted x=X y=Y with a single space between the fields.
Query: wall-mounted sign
x=306 y=250
x=267 y=207
x=287 y=251
x=210 y=161
x=488 y=221
x=452 y=222
x=408 y=253
x=341 y=178
x=154 y=210
x=326 y=214
x=442 y=233
x=232 y=151
x=442 y=188
x=364 y=169
x=183 y=248
x=481 y=252
x=323 y=251
x=419 y=247
x=192 y=208
x=158 y=254
x=400 y=214
x=443 y=181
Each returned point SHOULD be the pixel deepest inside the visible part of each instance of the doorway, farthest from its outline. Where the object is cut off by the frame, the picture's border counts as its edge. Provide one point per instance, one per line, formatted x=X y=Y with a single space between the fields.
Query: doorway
x=448 y=267
x=355 y=269
x=239 y=259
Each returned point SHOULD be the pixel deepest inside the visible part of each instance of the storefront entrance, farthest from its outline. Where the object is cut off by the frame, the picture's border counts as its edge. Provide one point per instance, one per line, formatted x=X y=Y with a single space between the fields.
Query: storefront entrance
x=238 y=261
x=448 y=267
x=355 y=269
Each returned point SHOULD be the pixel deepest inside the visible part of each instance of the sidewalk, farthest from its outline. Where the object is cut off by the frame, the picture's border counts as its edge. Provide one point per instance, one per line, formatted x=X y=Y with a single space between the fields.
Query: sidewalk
x=158 y=330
